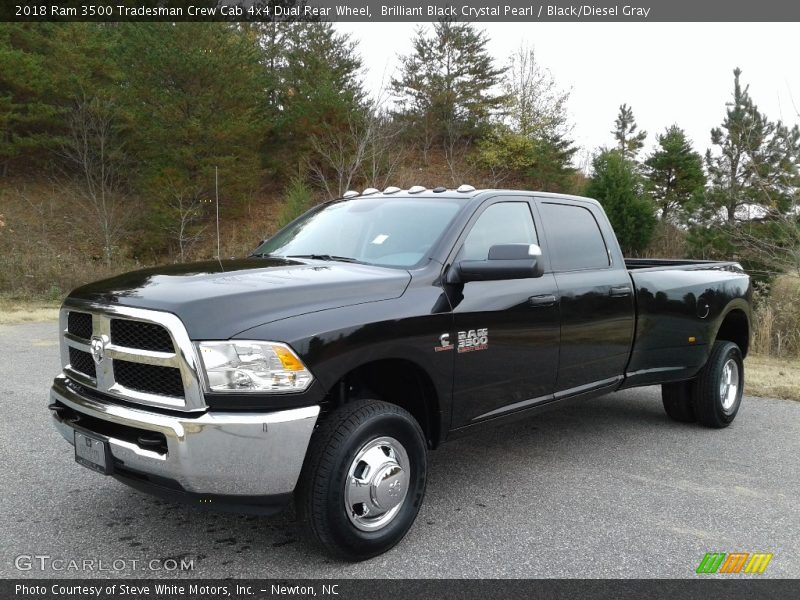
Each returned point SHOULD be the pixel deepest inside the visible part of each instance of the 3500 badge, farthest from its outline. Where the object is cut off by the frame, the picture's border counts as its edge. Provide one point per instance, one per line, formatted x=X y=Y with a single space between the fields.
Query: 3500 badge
x=472 y=340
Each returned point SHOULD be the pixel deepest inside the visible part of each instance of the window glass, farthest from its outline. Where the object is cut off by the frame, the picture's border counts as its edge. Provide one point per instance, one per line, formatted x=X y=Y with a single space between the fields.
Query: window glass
x=501 y=223
x=380 y=231
x=573 y=238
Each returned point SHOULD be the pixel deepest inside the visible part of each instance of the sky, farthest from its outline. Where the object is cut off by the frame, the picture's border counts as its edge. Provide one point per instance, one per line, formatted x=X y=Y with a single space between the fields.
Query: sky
x=667 y=72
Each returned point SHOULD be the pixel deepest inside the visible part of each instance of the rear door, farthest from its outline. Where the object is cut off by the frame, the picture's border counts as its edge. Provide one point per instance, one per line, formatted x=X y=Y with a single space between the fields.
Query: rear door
x=597 y=303
x=506 y=332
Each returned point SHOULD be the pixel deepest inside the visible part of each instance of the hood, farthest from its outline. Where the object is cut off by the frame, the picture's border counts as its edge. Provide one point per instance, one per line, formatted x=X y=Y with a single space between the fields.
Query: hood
x=218 y=299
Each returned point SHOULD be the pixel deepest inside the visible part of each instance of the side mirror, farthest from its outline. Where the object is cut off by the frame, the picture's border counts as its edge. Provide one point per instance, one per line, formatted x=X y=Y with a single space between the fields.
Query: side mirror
x=505 y=261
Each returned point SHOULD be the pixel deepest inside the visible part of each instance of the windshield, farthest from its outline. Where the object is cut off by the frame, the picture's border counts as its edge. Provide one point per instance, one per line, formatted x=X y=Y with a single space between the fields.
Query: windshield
x=388 y=232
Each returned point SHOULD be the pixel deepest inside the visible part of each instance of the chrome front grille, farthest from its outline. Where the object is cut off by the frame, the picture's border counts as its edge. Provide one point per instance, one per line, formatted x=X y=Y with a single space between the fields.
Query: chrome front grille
x=137 y=355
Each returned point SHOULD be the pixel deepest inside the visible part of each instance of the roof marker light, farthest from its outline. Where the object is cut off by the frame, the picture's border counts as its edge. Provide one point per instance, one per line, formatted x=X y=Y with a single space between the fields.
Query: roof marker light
x=370 y=191
x=350 y=194
x=465 y=188
x=416 y=189
x=439 y=189
x=391 y=190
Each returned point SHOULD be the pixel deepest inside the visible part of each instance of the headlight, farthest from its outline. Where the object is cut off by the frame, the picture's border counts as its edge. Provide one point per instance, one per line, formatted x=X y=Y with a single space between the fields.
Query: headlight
x=243 y=366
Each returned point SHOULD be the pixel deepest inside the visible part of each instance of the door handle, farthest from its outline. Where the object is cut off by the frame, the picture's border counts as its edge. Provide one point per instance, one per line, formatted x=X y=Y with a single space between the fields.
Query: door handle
x=543 y=300
x=620 y=292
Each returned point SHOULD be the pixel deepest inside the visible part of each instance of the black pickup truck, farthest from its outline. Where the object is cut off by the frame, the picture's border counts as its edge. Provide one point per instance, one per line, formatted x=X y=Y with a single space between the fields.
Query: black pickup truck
x=325 y=366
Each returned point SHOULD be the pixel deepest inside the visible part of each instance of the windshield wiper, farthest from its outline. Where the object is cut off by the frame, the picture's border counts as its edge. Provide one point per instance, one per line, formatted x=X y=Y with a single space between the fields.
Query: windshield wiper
x=329 y=257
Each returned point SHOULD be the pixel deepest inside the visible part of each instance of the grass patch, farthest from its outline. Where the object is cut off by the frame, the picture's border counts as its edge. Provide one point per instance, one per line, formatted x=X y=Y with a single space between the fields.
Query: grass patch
x=772 y=377
x=13 y=312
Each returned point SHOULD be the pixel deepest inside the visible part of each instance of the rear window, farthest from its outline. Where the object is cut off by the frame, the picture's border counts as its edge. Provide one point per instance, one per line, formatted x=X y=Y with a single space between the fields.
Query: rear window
x=574 y=238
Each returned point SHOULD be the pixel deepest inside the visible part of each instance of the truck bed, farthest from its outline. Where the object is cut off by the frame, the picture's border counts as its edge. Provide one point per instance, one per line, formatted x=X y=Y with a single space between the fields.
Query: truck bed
x=671 y=263
x=679 y=307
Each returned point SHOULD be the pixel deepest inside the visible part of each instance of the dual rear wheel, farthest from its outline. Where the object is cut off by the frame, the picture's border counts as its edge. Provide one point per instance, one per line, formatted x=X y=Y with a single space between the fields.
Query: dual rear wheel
x=714 y=396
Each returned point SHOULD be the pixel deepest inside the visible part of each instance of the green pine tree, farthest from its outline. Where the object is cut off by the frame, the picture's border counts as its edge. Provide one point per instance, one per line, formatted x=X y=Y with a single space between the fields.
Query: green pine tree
x=193 y=96
x=314 y=87
x=754 y=163
x=45 y=68
x=619 y=188
x=29 y=118
x=446 y=84
x=674 y=173
x=629 y=141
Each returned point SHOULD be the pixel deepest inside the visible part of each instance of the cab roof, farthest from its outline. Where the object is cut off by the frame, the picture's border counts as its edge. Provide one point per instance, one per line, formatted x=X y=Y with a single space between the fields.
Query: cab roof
x=462 y=192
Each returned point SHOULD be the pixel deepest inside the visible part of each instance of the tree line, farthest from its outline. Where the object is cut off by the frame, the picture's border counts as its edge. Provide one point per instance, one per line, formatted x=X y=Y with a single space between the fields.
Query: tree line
x=737 y=200
x=143 y=124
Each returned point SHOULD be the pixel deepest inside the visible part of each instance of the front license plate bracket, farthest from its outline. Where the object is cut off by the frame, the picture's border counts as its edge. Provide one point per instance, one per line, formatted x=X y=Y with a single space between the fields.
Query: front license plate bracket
x=93 y=453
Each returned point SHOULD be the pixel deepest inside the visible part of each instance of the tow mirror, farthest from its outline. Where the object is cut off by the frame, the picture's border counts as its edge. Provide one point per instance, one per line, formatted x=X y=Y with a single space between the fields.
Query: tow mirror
x=505 y=261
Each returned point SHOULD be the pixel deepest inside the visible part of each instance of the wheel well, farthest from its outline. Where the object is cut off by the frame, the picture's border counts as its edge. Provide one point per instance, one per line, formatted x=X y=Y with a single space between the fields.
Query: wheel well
x=736 y=328
x=397 y=381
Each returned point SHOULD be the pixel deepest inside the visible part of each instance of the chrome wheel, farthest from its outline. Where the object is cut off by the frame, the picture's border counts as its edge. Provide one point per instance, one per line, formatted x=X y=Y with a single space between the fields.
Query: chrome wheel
x=729 y=384
x=376 y=484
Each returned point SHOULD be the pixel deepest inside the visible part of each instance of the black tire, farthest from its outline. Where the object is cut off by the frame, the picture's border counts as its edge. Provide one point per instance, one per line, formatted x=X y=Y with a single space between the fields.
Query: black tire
x=321 y=497
x=709 y=403
x=677 y=399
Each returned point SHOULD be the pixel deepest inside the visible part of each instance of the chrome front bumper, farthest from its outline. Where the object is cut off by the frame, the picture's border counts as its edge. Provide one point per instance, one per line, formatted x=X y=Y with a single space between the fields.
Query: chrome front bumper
x=229 y=454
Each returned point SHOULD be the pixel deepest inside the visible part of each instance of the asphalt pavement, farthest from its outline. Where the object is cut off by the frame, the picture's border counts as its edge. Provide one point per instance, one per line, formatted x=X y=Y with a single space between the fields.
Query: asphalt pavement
x=608 y=488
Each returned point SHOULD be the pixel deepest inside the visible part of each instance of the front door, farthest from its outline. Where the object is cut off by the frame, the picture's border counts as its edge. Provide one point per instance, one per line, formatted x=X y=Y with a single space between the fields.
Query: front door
x=506 y=334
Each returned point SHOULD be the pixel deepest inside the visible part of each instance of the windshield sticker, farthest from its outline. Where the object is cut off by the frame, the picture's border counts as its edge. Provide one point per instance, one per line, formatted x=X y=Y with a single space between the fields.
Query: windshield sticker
x=380 y=239
x=472 y=340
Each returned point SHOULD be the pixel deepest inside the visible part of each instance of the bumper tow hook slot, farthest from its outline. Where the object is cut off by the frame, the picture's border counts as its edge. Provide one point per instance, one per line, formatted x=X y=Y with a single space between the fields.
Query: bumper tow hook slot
x=150 y=441
x=59 y=409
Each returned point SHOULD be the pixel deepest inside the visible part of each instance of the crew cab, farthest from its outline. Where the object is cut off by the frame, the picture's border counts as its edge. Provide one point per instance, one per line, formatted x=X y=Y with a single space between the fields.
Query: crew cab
x=325 y=366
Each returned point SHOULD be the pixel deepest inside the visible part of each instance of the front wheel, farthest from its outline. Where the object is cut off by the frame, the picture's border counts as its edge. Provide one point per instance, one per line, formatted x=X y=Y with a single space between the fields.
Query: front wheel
x=364 y=479
x=717 y=391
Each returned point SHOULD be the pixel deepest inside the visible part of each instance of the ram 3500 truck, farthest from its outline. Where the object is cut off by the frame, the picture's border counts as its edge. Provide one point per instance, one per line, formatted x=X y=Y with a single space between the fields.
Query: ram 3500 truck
x=325 y=366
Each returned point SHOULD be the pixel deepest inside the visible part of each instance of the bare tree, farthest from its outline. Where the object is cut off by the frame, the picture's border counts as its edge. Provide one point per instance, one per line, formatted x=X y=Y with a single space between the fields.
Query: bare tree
x=529 y=141
x=780 y=248
x=537 y=106
x=42 y=208
x=363 y=151
x=92 y=148
x=774 y=236
x=185 y=210
x=456 y=146
x=338 y=156
x=384 y=152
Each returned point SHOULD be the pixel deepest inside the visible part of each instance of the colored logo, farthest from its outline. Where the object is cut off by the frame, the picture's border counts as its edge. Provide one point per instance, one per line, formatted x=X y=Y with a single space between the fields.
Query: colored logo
x=444 y=343
x=734 y=562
